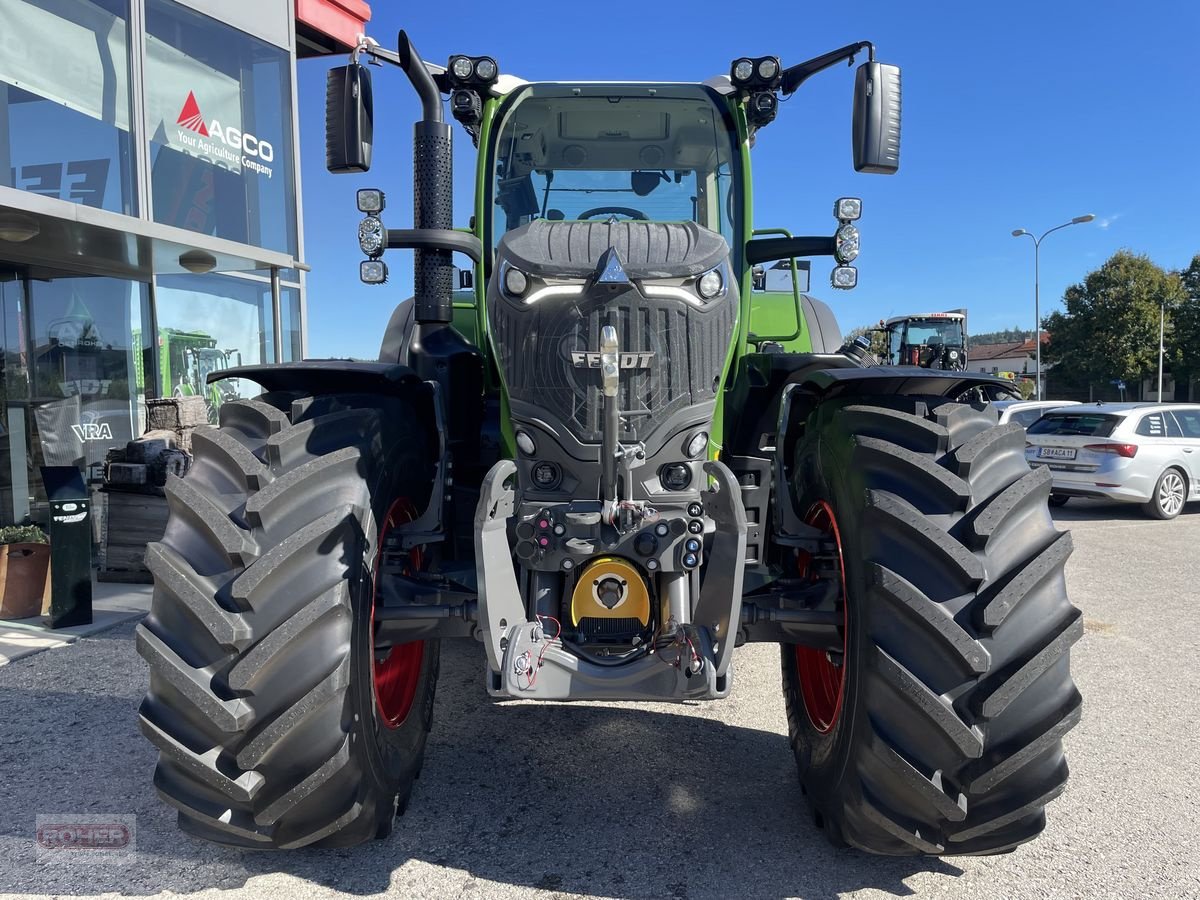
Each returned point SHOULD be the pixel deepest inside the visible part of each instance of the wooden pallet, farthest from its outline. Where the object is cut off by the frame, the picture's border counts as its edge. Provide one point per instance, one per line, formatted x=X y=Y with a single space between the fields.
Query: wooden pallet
x=132 y=520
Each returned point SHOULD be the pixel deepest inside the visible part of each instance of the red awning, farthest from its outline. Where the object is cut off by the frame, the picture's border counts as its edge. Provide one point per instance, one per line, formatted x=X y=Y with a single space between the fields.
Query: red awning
x=329 y=26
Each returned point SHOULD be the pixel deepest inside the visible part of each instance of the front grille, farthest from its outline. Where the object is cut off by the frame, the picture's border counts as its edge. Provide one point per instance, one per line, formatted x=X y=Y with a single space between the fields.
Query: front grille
x=689 y=344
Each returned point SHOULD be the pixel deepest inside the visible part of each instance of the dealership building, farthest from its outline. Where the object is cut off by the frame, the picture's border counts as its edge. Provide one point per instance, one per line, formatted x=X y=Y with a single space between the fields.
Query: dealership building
x=150 y=227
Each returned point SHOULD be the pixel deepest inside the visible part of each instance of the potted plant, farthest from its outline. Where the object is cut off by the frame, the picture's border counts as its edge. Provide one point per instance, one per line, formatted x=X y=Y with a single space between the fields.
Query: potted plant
x=24 y=568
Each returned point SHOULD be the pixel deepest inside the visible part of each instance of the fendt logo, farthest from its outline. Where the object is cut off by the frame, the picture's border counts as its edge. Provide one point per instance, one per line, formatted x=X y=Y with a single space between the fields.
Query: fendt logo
x=244 y=142
x=586 y=359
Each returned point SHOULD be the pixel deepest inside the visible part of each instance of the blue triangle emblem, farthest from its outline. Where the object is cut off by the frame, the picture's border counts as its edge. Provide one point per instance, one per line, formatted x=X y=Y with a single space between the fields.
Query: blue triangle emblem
x=610 y=269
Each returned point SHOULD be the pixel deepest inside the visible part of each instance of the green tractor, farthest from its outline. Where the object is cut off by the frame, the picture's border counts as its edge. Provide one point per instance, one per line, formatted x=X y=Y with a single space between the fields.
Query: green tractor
x=611 y=462
x=186 y=360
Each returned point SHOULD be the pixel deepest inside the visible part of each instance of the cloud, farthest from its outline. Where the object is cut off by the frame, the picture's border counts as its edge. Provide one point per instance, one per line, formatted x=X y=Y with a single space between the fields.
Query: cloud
x=1105 y=221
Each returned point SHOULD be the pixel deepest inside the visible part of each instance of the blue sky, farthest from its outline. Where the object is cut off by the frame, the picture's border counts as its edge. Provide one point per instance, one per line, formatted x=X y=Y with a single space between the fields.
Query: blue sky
x=1016 y=115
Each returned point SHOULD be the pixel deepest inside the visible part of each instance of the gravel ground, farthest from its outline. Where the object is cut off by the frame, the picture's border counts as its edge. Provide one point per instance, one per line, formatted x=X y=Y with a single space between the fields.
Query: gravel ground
x=623 y=800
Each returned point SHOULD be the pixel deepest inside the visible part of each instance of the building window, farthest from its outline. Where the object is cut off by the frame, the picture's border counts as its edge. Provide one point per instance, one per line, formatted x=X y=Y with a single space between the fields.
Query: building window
x=207 y=323
x=75 y=354
x=219 y=120
x=64 y=101
x=289 y=302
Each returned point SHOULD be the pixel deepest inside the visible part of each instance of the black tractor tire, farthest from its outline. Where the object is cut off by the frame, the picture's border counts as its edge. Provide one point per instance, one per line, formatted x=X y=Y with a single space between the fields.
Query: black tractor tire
x=259 y=638
x=1058 y=500
x=1157 y=508
x=955 y=690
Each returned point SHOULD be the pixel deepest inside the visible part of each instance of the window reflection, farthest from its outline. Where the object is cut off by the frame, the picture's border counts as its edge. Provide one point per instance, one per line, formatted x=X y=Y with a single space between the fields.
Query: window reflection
x=211 y=322
x=218 y=115
x=74 y=357
x=64 y=70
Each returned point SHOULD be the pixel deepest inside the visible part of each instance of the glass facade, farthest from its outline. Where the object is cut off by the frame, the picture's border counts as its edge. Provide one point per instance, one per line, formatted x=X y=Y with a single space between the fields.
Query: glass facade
x=219 y=121
x=73 y=349
x=187 y=122
x=211 y=322
x=64 y=71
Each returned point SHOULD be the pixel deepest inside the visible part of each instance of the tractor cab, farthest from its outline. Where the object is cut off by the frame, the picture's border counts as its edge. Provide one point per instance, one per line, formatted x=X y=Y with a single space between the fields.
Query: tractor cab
x=928 y=340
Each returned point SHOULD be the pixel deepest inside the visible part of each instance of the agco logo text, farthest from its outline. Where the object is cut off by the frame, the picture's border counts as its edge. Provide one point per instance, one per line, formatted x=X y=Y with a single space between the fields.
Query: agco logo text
x=251 y=148
x=586 y=359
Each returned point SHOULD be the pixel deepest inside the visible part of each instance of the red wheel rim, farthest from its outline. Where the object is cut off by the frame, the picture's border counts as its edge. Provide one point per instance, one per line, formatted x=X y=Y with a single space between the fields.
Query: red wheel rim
x=395 y=677
x=822 y=684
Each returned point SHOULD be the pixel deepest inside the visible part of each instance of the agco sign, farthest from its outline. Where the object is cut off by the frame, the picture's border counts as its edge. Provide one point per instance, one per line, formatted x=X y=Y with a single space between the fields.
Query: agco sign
x=235 y=141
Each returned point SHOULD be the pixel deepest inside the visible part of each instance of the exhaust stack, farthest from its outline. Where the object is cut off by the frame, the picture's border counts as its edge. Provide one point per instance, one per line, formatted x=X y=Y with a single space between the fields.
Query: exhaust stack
x=433 y=191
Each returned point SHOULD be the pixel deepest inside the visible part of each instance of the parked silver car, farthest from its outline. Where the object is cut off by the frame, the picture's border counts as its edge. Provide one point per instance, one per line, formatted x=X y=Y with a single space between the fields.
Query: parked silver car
x=1135 y=452
x=1026 y=412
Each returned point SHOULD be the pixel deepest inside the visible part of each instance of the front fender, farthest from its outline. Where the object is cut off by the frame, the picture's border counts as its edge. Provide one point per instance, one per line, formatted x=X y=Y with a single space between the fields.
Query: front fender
x=327 y=376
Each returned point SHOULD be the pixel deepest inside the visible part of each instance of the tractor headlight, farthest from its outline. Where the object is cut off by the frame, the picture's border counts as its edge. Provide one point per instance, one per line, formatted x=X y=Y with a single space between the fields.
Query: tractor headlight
x=515 y=281
x=844 y=277
x=710 y=284
x=370 y=201
x=486 y=69
x=697 y=445
x=847 y=209
x=675 y=477
x=372 y=271
x=743 y=70
x=768 y=68
x=371 y=236
x=845 y=247
x=462 y=67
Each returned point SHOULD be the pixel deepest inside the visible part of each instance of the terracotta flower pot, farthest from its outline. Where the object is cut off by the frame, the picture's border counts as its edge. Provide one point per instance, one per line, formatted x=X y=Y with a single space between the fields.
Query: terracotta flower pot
x=25 y=570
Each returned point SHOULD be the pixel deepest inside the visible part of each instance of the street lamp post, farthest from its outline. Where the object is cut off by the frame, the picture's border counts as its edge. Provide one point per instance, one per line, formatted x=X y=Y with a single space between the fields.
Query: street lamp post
x=1162 y=324
x=1037 y=302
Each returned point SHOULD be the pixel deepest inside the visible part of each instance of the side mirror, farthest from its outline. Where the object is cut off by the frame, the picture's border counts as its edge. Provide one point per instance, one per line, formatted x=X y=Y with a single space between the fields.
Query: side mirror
x=877 y=118
x=349 y=119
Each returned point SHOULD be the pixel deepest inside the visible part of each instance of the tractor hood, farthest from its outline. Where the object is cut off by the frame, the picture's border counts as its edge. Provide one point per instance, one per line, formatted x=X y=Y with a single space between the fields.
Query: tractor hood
x=647 y=249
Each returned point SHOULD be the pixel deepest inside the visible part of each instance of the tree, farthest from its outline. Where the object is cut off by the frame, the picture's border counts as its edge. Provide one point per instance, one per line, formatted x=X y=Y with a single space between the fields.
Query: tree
x=1007 y=336
x=1109 y=330
x=878 y=338
x=1184 y=345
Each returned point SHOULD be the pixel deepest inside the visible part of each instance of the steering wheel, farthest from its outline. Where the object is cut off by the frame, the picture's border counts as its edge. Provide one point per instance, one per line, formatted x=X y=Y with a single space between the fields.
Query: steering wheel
x=613 y=211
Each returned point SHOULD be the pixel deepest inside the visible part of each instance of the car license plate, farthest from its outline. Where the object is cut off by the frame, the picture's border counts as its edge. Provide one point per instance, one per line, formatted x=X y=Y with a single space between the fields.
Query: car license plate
x=1056 y=452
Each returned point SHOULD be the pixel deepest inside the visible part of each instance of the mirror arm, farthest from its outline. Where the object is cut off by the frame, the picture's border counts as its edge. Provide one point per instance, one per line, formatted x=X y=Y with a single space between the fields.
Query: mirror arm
x=378 y=54
x=763 y=250
x=435 y=239
x=794 y=76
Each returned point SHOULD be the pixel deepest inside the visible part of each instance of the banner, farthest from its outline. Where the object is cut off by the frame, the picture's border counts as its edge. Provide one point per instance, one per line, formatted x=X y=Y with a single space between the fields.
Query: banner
x=71 y=52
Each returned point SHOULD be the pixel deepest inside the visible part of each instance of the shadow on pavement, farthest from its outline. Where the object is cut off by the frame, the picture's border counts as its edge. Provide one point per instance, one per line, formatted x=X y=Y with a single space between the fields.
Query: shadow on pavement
x=1079 y=509
x=572 y=799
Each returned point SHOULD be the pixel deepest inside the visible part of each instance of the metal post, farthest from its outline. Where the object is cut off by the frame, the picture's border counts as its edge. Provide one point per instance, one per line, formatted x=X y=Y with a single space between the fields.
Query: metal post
x=277 y=314
x=1037 y=316
x=1162 y=322
x=1037 y=300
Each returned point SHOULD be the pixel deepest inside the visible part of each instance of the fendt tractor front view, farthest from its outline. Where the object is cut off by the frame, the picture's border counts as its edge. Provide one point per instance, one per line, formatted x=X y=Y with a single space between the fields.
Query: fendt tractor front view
x=609 y=456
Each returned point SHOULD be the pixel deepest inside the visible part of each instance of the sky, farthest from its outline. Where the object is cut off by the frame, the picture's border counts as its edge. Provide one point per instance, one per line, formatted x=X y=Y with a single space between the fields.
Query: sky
x=1015 y=115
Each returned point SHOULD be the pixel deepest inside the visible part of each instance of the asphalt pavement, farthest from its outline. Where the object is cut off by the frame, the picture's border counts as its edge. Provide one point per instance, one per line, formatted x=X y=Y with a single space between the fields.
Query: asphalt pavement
x=632 y=800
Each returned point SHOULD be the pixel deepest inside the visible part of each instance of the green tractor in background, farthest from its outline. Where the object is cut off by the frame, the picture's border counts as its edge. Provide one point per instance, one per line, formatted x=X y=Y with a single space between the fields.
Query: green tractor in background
x=186 y=360
x=610 y=461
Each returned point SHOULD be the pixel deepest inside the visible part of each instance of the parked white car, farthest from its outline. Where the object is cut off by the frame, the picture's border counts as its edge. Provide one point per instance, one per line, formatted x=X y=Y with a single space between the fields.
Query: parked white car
x=1026 y=412
x=1134 y=452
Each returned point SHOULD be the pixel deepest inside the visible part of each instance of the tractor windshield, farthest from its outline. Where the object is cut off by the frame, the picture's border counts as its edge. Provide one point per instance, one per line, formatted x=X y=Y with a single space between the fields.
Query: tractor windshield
x=948 y=332
x=588 y=152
